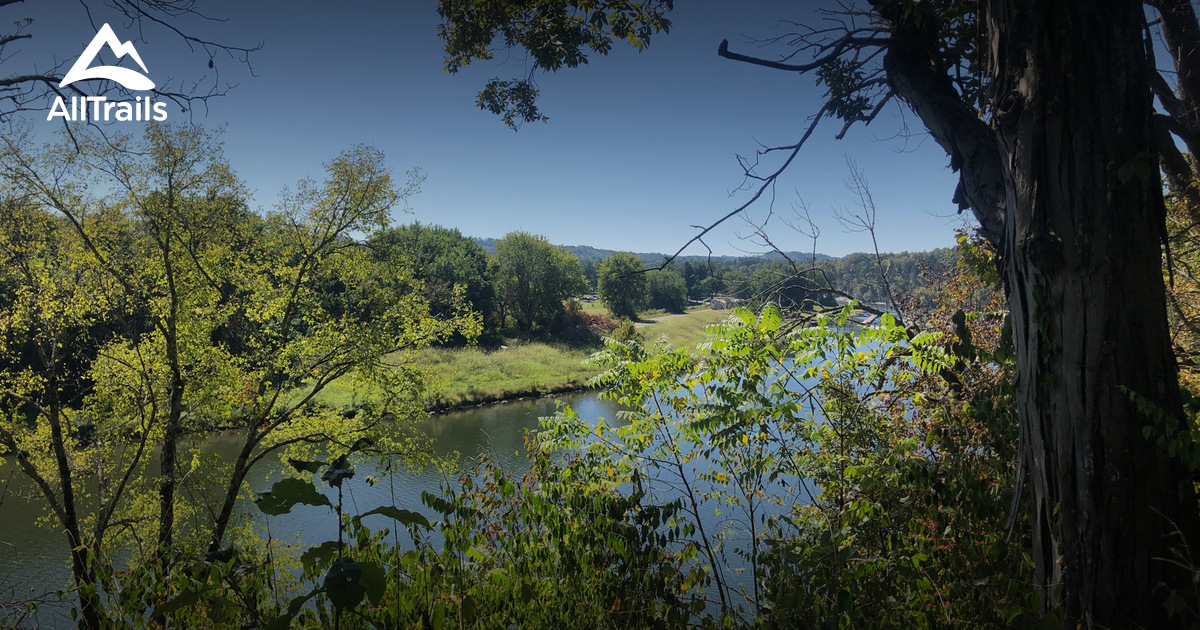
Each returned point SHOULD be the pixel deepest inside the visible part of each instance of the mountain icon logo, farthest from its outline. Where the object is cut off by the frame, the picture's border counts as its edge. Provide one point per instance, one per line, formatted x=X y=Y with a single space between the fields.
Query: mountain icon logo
x=126 y=77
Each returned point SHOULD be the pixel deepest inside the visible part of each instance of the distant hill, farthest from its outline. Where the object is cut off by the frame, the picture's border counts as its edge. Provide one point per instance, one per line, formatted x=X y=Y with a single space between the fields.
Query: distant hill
x=587 y=253
x=799 y=256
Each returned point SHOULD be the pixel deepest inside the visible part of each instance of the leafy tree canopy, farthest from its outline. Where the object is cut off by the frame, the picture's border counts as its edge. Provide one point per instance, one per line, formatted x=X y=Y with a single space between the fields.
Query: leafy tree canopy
x=444 y=261
x=666 y=290
x=621 y=282
x=534 y=277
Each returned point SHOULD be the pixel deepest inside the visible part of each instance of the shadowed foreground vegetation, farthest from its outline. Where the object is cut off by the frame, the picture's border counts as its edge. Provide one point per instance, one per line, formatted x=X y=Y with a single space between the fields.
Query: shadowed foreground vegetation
x=771 y=467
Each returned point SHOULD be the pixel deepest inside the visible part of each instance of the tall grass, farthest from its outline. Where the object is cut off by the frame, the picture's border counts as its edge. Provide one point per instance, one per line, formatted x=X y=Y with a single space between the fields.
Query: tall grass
x=465 y=376
x=469 y=376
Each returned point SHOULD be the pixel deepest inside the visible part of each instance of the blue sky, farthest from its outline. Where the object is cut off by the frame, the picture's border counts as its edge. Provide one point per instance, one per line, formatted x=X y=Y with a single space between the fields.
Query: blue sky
x=639 y=147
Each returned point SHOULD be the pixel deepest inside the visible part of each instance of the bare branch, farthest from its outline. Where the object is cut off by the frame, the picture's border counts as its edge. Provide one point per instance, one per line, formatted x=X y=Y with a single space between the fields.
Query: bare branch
x=835 y=49
x=26 y=91
x=865 y=222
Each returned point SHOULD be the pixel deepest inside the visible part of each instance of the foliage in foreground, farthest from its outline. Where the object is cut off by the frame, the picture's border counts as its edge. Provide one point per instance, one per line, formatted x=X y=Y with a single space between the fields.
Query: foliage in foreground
x=811 y=477
x=144 y=302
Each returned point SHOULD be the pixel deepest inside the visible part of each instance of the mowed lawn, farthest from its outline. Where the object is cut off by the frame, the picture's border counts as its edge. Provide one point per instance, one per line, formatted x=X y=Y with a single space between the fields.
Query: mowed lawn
x=598 y=308
x=683 y=332
x=466 y=376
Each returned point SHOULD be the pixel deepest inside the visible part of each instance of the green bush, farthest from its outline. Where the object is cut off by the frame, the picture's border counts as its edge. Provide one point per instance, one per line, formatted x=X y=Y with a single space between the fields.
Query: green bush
x=627 y=331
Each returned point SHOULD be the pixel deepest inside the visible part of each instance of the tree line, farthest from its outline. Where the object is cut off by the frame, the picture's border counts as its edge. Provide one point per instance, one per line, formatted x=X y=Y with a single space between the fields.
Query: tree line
x=523 y=285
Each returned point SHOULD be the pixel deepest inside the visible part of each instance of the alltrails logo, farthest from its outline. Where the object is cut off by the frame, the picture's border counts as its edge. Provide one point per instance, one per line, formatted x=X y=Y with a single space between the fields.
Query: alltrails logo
x=142 y=109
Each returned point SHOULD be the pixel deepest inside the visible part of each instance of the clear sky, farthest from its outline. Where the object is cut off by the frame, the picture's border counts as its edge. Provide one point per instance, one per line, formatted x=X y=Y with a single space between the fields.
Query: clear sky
x=639 y=147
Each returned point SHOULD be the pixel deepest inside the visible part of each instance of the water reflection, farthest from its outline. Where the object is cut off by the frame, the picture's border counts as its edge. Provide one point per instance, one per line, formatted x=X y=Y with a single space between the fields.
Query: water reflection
x=33 y=559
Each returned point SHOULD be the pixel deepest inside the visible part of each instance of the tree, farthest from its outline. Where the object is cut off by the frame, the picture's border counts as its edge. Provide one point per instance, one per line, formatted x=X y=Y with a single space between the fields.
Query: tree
x=136 y=267
x=444 y=261
x=736 y=283
x=665 y=289
x=621 y=283
x=50 y=306
x=1045 y=110
x=230 y=320
x=174 y=212
x=792 y=290
x=534 y=277
x=590 y=270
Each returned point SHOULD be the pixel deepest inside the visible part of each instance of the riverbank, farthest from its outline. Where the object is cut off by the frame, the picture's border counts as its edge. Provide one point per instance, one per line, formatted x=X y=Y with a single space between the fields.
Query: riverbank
x=472 y=376
x=466 y=377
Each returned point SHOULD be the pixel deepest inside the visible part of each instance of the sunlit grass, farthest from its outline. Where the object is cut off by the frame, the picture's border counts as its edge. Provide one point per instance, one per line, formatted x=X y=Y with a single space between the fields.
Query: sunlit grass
x=683 y=332
x=464 y=376
x=596 y=308
x=467 y=376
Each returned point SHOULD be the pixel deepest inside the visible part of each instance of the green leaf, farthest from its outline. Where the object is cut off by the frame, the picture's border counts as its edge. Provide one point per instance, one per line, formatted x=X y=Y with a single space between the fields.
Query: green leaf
x=220 y=610
x=304 y=466
x=286 y=493
x=438 y=503
x=284 y=621
x=221 y=555
x=182 y=600
x=771 y=319
x=373 y=581
x=339 y=471
x=439 y=615
x=468 y=610
x=405 y=517
x=343 y=583
x=319 y=555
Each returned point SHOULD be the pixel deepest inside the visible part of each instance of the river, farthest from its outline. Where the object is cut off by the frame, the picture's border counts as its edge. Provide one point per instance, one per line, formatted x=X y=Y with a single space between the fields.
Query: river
x=33 y=560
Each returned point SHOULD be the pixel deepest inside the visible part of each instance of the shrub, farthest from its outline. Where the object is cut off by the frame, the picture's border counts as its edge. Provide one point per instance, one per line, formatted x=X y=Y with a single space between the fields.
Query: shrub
x=627 y=331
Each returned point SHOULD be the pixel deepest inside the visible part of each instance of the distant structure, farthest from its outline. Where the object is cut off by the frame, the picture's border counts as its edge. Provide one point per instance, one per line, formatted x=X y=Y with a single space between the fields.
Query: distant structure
x=721 y=302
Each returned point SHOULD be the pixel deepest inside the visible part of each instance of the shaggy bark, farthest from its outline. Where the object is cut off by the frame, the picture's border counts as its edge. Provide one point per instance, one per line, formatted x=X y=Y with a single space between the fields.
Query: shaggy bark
x=1083 y=270
x=1082 y=215
x=1071 y=151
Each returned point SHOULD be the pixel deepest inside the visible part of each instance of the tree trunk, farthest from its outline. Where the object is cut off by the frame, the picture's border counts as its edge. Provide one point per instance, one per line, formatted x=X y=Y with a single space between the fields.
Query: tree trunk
x=240 y=467
x=1082 y=265
x=89 y=615
x=167 y=460
x=168 y=477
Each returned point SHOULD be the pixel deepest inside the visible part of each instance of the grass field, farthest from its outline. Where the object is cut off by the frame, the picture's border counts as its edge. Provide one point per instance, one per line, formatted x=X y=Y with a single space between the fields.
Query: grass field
x=683 y=332
x=597 y=308
x=466 y=376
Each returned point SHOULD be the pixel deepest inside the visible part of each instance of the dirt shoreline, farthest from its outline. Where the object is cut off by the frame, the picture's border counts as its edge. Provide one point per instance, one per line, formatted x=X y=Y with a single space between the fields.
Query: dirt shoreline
x=551 y=392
